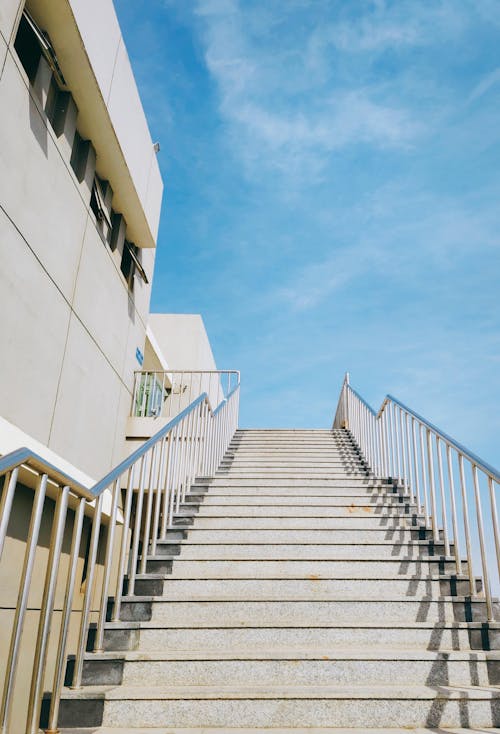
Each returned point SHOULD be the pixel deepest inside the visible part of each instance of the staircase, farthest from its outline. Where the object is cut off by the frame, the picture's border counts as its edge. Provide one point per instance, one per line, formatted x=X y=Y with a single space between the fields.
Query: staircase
x=296 y=592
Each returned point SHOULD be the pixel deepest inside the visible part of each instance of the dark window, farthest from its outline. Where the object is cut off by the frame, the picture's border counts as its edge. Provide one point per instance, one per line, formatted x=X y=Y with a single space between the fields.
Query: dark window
x=80 y=155
x=131 y=263
x=28 y=48
x=30 y=44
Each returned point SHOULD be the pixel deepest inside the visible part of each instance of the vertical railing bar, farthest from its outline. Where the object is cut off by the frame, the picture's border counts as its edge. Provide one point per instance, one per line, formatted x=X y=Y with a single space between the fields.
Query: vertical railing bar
x=482 y=547
x=403 y=452
x=22 y=602
x=134 y=552
x=46 y=609
x=82 y=636
x=60 y=663
x=424 y=475
x=415 y=465
x=443 y=498
x=167 y=487
x=454 y=520
x=465 y=513
x=9 y=489
x=106 y=575
x=149 y=506
x=158 y=498
x=124 y=545
x=432 y=487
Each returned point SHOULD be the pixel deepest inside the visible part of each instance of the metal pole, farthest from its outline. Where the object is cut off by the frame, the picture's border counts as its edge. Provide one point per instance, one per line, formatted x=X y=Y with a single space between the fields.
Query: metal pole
x=456 y=541
x=465 y=512
x=482 y=547
x=9 y=487
x=124 y=545
x=46 y=609
x=22 y=602
x=60 y=664
x=82 y=637
x=99 y=637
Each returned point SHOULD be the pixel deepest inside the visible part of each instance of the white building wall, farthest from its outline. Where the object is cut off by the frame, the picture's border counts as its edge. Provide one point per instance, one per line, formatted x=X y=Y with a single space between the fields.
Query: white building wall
x=69 y=325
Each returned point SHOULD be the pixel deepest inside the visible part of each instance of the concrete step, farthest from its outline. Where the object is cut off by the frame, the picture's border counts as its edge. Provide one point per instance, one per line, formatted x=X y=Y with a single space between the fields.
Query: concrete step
x=351 y=510
x=349 y=492
x=295 y=613
x=295 y=706
x=312 y=588
x=313 y=474
x=321 y=666
x=283 y=569
x=316 y=483
x=376 y=635
x=270 y=502
x=358 y=521
x=262 y=549
x=264 y=730
x=298 y=535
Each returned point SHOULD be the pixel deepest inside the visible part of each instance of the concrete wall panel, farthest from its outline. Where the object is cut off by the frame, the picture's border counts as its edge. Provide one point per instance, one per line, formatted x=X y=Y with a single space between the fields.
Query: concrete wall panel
x=99 y=29
x=34 y=321
x=88 y=403
x=101 y=298
x=8 y=15
x=37 y=192
x=127 y=115
x=154 y=195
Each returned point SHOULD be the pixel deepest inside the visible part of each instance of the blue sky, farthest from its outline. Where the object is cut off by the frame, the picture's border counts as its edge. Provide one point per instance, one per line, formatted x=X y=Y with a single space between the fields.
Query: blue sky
x=332 y=198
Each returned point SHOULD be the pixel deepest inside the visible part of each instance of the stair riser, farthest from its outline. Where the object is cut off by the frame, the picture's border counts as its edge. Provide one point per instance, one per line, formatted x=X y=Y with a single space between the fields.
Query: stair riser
x=265 y=638
x=347 y=483
x=297 y=672
x=307 y=713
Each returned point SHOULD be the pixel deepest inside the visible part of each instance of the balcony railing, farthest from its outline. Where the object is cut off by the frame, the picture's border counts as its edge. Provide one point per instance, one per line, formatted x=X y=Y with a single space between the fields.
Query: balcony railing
x=162 y=394
x=79 y=561
x=453 y=490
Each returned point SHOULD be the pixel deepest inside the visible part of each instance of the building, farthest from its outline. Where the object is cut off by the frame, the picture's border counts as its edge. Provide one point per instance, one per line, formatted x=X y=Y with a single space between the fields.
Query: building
x=80 y=198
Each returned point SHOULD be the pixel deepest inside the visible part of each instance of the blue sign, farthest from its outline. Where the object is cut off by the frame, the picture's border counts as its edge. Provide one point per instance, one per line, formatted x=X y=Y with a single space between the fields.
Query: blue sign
x=139 y=356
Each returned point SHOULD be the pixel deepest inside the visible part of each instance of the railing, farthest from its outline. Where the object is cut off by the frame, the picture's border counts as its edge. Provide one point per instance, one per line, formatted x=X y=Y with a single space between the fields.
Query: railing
x=154 y=481
x=165 y=393
x=452 y=489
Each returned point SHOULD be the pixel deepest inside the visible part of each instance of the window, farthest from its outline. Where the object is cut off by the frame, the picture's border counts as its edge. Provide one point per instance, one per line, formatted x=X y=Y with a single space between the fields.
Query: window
x=80 y=154
x=100 y=192
x=31 y=43
x=131 y=262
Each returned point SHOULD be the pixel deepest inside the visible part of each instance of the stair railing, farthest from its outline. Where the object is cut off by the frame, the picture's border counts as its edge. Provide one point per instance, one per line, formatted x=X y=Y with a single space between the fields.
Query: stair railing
x=154 y=481
x=452 y=488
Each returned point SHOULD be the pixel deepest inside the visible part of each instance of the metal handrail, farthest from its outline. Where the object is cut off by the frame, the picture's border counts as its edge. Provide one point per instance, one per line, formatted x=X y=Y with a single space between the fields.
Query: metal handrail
x=28 y=457
x=163 y=393
x=480 y=463
x=401 y=445
x=158 y=474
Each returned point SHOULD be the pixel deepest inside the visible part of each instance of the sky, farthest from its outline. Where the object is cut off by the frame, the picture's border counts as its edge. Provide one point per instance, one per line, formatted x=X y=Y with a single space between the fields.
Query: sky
x=332 y=198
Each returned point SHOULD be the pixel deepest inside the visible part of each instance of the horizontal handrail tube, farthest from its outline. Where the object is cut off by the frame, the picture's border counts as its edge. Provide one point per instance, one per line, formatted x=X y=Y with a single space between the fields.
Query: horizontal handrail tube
x=28 y=457
x=476 y=460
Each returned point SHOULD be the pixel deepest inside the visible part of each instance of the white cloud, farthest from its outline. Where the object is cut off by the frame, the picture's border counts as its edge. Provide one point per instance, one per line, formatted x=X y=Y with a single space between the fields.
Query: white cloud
x=293 y=127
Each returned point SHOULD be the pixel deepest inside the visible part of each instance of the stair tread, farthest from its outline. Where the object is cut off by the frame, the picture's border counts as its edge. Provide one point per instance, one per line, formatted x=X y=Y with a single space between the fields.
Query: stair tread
x=272 y=730
x=299 y=653
x=391 y=692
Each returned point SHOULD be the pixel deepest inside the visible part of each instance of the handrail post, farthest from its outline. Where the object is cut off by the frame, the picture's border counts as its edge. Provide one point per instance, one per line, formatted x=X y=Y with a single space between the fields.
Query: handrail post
x=22 y=602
